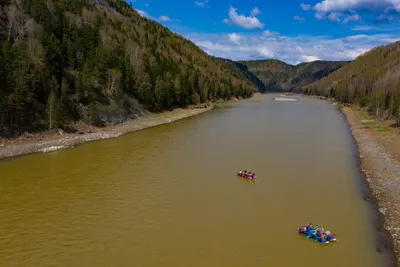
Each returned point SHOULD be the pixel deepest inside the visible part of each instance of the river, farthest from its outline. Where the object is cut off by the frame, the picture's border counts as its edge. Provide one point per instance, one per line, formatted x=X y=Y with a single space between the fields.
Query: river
x=169 y=195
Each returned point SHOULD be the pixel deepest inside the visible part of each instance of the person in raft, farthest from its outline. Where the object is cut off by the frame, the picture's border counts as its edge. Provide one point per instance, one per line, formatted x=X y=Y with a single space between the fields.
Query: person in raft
x=308 y=227
x=328 y=232
x=243 y=173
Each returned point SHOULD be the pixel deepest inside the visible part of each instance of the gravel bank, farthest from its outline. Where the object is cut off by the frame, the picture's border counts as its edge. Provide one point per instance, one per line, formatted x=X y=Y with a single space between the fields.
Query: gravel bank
x=378 y=161
x=50 y=141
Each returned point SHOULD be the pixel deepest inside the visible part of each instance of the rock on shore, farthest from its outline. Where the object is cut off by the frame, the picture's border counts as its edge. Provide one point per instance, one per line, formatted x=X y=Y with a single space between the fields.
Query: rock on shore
x=382 y=170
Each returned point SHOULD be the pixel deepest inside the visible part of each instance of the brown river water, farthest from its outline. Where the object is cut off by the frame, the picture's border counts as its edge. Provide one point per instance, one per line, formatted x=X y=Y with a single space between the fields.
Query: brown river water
x=169 y=195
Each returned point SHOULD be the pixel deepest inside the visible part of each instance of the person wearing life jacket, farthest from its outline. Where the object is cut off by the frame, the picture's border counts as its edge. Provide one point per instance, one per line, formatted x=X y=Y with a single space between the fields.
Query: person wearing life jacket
x=314 y=234
x=328 y=232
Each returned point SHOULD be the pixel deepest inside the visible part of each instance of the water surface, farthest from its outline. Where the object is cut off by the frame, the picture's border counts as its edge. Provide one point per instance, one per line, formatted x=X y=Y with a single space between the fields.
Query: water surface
x=169 y=196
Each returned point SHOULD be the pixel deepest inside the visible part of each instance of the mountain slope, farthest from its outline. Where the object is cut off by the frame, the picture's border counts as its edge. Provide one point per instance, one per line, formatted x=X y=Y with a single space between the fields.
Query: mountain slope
x=372 y=81
x=241 y=69
x=99 y=61
x=277 y=75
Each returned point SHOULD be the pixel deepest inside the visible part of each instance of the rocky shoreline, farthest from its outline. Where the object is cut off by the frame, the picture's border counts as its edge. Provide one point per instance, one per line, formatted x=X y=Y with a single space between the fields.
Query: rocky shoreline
x=57 y=140
x=382 y=172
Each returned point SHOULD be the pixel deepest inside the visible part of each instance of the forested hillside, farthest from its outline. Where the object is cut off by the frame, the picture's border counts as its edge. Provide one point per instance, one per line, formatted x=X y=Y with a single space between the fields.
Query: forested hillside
x=242 y=69
x=98 y=61
x=372 y=81
x=277 y=75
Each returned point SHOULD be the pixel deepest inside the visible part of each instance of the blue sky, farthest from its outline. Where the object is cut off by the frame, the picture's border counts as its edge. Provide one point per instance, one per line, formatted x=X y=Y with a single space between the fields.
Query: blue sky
x=290 y=30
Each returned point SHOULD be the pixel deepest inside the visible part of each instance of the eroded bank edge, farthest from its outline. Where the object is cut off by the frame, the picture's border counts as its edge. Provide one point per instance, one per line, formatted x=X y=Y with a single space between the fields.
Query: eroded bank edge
x=71 y=141
x=384 y=238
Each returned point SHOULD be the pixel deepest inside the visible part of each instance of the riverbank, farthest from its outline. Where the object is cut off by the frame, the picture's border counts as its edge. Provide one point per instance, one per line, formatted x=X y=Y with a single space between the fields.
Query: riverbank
x=53 y=140
x=379 y=157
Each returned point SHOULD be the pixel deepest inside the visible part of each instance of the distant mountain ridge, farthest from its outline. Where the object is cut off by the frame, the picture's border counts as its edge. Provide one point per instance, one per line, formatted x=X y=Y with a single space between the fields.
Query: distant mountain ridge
x=242 y=69
x=277 y=75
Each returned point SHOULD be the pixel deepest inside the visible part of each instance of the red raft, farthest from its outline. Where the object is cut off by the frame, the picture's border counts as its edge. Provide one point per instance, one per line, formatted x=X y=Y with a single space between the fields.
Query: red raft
x=247 y=175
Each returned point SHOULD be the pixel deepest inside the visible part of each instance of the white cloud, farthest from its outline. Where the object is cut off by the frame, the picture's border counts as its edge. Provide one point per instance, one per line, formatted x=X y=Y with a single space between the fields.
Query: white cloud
x=288 y=48
x=268 y=33
x=355 y=38
x=265 y=52
x=319 y=16
x=146 y=15
x=164 y=18
x=374 y=28
x=201 y=3
x=307 y=58
x=142 y=13
x=344 y=10
x=354 y=17
x=255 y=11
x=334 y=16
x=235 y=38
x=242 y=21
x=305 y=6
x=363 y=28
x=299 y=18
x=344 y=5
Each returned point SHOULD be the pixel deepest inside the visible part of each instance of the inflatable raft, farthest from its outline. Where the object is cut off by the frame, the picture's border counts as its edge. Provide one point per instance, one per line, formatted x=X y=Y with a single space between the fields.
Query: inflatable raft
x=247 y=175
x=317 y=235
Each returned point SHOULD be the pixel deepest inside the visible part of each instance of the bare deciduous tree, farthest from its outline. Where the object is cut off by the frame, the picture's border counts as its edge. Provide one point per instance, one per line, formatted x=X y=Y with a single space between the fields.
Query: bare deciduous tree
x=113 y=79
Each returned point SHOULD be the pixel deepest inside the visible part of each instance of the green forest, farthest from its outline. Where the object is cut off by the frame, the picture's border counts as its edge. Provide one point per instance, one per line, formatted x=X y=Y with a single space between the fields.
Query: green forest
x=240 y=68
x=98 y=61
x=371 y=81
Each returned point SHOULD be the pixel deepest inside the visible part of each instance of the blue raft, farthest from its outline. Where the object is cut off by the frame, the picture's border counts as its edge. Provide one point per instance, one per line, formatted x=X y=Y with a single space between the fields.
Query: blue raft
x=316 y=235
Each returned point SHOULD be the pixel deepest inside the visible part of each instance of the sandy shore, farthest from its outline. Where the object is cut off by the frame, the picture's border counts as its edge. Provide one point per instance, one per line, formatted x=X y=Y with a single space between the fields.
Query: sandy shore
x=54 y=140
x=379 y=152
